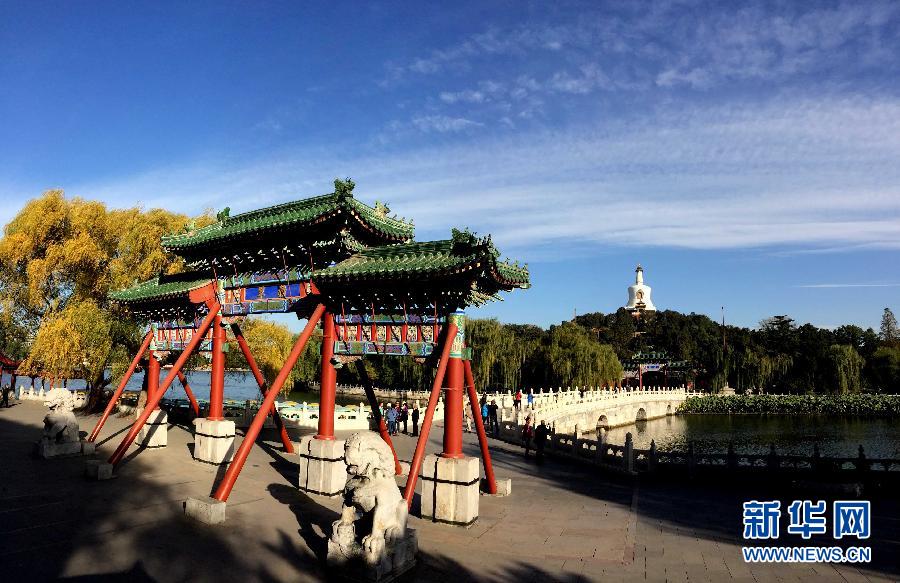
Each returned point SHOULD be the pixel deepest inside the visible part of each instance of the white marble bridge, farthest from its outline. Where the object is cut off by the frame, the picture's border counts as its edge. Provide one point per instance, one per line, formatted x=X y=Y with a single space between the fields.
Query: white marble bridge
x=591 y=408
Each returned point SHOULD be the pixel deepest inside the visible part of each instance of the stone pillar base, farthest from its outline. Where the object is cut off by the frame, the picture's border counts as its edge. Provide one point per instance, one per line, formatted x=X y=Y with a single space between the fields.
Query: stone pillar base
x=504 y=487
x=450 y=489
x=205 y=509
x=47 y=449
x=395 y=559
x=155 y=431
x=98 y=470
x=322 y=467
x=213 y=440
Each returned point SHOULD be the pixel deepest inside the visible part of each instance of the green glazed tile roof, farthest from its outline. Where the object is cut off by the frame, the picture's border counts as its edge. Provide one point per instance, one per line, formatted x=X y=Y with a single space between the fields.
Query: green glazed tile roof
x=161 y=288
x=293 y=215
x=463 y=252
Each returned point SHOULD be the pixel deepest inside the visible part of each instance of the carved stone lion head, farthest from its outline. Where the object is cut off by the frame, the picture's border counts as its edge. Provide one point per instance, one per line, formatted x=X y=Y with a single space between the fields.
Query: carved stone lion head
x=366 y=453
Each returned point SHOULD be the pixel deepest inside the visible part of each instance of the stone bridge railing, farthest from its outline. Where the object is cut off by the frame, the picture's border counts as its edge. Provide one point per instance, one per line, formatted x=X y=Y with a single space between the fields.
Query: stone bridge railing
x=630 y=460
x=588 y=409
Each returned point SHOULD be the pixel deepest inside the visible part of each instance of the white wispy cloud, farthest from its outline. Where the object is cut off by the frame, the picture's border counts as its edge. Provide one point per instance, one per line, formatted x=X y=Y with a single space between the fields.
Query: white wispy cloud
x=667 y=46
x=789 y=173
x=443 y=123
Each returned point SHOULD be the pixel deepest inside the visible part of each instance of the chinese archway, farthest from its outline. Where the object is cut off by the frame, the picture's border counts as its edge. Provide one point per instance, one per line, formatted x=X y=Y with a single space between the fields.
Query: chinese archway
x=331 y=260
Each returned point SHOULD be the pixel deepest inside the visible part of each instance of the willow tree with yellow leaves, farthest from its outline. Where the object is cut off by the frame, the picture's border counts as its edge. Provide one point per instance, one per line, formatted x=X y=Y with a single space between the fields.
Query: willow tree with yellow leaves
x=59 y=258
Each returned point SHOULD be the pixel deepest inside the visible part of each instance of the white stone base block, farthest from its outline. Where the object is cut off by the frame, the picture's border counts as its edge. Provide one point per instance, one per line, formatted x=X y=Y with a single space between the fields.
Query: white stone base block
x=47 y=449
x=206 y=510
x=450 y=489
x=396 y=558
x=504 y=487
x=213 y=441
x=98 y=470
x=322 y=467
x=155 y=431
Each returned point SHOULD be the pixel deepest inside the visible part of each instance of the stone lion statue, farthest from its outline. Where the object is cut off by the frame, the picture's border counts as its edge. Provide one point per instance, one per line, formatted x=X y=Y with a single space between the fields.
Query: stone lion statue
x=371 y=496
x=60 y=425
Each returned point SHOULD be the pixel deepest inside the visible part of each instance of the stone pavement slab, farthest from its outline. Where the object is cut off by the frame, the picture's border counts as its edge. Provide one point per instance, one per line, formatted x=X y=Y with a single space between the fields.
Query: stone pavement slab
x=563 y=522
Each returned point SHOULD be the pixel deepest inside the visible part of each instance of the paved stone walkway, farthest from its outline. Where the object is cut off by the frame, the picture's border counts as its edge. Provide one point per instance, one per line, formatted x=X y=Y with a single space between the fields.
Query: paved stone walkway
x=563 y=522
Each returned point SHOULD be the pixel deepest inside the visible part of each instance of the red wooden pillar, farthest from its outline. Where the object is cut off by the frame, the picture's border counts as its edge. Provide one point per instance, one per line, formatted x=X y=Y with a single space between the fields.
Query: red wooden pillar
x=217 y=375
x=453 y=409
x=416 y=464
x=261 y=381
x=328 y=386
x=234 y=469
x=479 y=426
x=117 y=455
x=115 y=398
x=152 y=374
x=453 y=390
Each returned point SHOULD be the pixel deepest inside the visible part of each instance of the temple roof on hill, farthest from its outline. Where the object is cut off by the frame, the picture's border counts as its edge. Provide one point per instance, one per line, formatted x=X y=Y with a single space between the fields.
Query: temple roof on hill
x=317 y=231
x=660 y=358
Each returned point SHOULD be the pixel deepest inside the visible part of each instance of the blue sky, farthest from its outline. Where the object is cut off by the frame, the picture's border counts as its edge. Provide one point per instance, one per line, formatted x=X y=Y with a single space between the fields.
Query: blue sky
x=747 y=154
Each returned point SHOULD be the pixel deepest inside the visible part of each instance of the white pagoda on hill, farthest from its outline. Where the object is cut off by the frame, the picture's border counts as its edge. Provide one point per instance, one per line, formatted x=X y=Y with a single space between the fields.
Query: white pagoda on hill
x=639 y=294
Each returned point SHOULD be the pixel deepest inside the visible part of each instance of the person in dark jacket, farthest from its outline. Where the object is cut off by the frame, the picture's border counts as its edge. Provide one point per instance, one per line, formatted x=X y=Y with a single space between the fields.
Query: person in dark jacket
x=540 y=440
x=492 y=412
x=404 y=417
x=415 y=420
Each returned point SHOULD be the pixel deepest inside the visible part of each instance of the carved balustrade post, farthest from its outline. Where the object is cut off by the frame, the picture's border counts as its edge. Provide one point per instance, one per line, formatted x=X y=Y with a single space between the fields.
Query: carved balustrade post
x=628 y=454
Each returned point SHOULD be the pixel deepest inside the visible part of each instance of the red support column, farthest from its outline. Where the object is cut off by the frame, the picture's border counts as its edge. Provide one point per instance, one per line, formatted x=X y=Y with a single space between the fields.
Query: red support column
x=152 y=376
x=261 y=381
x=416 y=465
x=190 y=394
x=453 y=389
x=328 y=386
x=234 y=469
x=217 y=374
x=115 y=398
x=117 y=455
x=479 y=427
x=453 y=408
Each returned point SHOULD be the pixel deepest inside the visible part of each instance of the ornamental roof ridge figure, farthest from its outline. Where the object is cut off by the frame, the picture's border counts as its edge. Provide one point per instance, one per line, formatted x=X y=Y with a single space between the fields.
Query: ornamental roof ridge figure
x=639 y=294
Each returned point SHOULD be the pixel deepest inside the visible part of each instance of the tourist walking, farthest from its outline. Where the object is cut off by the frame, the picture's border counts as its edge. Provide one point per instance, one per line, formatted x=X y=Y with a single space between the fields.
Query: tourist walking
x=485 y=420
x=468 y=417
x=530 y=399
x=415 y=419
x=517 y=400
x=6 y=391
x=527 y=434
x=392 y=420
x=540 y=440
x=492 y=412
x=404 y=418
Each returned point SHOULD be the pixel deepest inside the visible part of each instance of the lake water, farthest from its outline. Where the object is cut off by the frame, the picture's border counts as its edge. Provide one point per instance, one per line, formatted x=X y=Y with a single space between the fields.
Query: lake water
x=240 y=386
x=837 y=436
